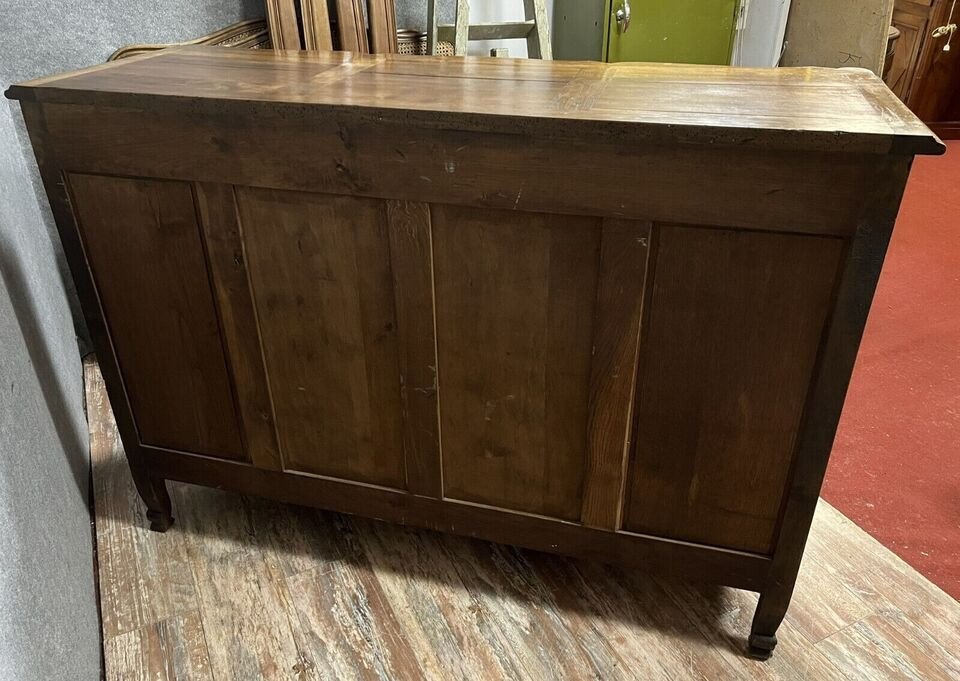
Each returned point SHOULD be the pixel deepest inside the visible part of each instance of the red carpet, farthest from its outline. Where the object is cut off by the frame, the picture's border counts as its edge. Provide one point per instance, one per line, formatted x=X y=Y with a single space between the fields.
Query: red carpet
x=895 y=469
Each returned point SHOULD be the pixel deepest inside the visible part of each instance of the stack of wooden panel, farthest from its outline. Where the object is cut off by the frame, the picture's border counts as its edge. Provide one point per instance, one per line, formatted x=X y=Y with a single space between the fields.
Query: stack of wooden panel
x=359 y=25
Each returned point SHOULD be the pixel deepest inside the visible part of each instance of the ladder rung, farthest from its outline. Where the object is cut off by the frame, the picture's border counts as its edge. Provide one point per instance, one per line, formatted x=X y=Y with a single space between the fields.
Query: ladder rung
x=492 y=31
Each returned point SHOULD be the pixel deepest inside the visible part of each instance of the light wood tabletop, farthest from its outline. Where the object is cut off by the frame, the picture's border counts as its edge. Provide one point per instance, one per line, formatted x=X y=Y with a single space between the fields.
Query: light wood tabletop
x=844 y=109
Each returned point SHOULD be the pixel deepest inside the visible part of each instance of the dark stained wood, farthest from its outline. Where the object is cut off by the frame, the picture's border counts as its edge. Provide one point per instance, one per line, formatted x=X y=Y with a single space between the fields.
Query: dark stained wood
x=810 y=108
x=444 y=286
x=734 y=325
x=515 y=296
x=817 y=193
x=935 y=91
x=623 y=266
x=228 y=273
x=912 y=19
x=411 y=261
x=682 y=559
x=858 y=282
x=160 y=310
x=152 y=490
x=320 y=272
x=922 y=74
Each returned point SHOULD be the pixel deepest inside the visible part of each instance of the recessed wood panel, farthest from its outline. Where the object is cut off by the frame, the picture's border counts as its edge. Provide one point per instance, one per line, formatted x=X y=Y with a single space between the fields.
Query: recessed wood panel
x=735 y=320
x=143 y=243
x=515 y=296
x=322 y=284
x=228 y=275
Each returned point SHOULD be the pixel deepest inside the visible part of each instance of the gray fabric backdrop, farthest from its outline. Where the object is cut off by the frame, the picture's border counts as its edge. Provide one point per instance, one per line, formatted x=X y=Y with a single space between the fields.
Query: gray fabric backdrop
x=48 y=616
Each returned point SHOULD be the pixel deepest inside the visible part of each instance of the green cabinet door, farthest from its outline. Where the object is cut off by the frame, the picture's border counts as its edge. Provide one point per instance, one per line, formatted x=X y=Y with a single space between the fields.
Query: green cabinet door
x=678 y=31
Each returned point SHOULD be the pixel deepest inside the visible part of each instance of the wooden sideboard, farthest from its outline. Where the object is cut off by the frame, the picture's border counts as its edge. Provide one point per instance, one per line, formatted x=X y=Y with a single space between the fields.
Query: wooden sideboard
x=601 y=310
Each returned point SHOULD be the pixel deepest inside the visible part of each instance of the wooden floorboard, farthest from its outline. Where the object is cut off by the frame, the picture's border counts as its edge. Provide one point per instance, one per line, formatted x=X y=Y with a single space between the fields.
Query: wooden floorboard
x=246 y=589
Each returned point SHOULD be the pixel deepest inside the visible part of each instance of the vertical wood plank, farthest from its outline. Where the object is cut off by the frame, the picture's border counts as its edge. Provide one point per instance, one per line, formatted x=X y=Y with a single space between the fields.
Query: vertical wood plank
x=228 y=271
x=353 y=30
x=411 y=256
x=316 y=25
x=282 y=21
x=625 y=248
x=383 y=27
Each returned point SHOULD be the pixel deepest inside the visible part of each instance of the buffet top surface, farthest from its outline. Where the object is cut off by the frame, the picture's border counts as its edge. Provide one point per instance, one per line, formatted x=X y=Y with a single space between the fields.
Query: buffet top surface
x=816 y=108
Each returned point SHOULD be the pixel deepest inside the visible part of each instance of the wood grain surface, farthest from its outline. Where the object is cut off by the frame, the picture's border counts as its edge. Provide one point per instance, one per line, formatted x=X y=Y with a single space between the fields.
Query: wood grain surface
x=734 y=324
x=839 y=109
x=411 y=260
x=321 y=278
x=515 y=299
x=217 y=213
x=160 y=308
x=522 y=168
x=316 y=25
x=250 y=589
x=624 y=258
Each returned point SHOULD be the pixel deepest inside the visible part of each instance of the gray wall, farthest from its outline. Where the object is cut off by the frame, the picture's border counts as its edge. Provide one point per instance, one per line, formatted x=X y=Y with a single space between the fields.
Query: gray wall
x=48 y=619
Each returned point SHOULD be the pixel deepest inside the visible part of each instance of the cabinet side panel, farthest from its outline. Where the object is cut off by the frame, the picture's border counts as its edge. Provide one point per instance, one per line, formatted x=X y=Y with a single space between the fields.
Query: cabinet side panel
x=727 y=355
x=143 y=244
x=515 y=296
x=322 y=284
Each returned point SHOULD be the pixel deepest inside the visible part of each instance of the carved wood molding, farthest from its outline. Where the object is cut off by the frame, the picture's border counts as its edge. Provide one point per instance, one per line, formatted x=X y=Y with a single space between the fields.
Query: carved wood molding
x=252 y=33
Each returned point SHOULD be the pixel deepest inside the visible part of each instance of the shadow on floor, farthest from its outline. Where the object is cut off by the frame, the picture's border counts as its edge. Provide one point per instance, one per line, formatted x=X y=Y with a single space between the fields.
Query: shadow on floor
x=552 y=587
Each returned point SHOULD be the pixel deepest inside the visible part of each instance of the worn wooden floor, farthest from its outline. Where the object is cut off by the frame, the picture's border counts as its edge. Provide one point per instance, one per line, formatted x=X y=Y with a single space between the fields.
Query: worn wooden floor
x=247 y=589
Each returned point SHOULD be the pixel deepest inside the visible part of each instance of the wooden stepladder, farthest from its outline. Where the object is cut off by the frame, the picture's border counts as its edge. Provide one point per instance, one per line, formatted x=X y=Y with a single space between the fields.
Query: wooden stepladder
x=534 y=28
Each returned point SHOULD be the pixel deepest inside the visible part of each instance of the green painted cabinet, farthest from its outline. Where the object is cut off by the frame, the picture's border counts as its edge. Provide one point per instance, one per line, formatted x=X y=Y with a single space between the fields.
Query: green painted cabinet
x=681 y=31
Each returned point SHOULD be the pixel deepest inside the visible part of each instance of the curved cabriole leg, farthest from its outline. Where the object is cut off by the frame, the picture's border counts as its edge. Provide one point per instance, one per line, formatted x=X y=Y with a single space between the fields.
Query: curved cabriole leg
x=763 y=634
x=153 y=491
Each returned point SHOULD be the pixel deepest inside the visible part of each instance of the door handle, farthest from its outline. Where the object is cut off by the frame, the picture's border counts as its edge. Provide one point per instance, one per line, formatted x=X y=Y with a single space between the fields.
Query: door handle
x=623 y=17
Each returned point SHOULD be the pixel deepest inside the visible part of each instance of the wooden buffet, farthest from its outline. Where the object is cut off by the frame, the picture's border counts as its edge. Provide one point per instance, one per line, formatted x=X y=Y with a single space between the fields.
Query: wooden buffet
x=607 y=311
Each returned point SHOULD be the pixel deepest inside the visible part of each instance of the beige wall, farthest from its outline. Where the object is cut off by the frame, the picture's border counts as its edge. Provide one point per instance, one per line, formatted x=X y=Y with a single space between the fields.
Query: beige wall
x=837 y=33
